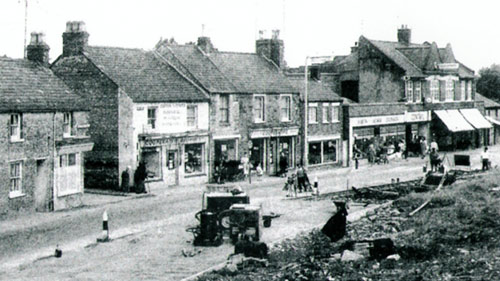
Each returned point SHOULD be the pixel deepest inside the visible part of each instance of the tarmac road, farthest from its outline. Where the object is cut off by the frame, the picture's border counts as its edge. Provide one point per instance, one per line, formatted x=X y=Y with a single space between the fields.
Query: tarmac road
x=150 y=232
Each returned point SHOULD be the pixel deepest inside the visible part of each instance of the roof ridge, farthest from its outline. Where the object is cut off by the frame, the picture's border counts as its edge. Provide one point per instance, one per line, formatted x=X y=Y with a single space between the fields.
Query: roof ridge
x=408 y=60
x=236 y=52
x=120 y=48
x=181 y=74
x=217 y=67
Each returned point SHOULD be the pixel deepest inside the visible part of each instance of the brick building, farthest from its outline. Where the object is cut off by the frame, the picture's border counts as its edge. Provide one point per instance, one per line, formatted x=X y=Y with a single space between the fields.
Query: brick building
x=324 y=135
x=405 y=90
x=43 y=144
x=142 y=109
x=253 y=107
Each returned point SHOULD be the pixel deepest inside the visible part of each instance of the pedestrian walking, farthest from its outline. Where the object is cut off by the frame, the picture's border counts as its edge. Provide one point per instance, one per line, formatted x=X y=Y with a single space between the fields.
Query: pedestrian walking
x=423 y=147
x=434 y=145
x=301 y=178
x=485 y=159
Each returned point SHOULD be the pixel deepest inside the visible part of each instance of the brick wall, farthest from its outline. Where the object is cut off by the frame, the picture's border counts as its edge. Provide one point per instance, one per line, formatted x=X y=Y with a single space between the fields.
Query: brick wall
x=102 y=95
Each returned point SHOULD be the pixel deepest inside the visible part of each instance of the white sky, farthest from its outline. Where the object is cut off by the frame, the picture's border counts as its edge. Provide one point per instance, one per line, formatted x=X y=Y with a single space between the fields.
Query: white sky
x=313 y=27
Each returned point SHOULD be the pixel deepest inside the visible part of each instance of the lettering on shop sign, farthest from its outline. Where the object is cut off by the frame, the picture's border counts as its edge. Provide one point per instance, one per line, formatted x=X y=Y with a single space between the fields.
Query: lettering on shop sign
x=377 y=120
x=167 y=141
x=419 y=116
x=173 y=114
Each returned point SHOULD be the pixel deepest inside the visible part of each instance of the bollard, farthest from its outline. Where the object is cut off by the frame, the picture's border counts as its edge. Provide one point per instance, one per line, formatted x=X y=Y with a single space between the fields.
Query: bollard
x=316 y=186
x=105 y=231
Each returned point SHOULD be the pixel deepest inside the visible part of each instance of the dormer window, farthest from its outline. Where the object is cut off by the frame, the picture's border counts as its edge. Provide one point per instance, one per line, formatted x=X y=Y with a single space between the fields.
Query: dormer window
x=67 y=124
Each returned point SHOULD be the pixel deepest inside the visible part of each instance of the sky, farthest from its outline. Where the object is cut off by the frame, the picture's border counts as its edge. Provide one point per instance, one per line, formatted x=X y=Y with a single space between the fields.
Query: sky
x=308 y=28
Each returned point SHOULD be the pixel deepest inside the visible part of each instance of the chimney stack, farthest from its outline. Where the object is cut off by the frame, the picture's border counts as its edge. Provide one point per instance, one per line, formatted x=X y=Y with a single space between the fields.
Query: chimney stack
x=75 y=38
x=205 y=44
x=404 y=35
x=272 y=48
x=38 y=50
x=354 y=48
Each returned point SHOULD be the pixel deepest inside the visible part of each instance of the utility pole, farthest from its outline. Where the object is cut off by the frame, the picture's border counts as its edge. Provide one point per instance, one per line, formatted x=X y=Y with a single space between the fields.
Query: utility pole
x=25 y=26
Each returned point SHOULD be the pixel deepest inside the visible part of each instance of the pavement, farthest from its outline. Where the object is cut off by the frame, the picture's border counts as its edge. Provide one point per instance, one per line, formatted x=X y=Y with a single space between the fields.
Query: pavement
x=175 y=206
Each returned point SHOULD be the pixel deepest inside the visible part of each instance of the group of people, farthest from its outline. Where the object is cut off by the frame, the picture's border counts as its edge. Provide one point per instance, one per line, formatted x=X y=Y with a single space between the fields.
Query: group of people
x=140 y=176
x=297 y=181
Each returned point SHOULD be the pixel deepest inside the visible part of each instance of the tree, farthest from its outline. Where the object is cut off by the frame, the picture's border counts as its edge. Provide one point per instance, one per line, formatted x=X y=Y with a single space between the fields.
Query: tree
x=488 y=83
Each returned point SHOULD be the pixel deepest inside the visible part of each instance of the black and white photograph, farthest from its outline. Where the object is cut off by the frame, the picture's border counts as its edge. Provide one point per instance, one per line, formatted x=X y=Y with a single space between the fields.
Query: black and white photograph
x=278 y=140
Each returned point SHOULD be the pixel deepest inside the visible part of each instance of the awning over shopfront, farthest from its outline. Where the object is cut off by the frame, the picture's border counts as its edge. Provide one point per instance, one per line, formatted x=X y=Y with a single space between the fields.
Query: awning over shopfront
x=477 y=120
x=454 y=121
x=493 y=120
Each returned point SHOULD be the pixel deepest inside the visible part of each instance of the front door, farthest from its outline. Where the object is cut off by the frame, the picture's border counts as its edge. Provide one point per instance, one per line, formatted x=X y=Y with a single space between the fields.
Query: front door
x=172 y=173
x=273 y=156
x=41 y=185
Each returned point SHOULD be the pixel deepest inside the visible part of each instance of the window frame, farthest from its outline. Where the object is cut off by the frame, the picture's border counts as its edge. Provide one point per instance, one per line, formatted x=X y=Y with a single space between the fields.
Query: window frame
x=469 y=90
x=335 y=112
x=310 y=108
x=195 y=116
x=151 y=121
x=287 y=108
x=18 y=136
x=325 y=108
x=463 y=94
x=67 y=124
x=262 y=111
x=202 y=160
x=18 y=191
x=449 y=90
x=224 y=108
x=418 y=91
x=434 y=89
x=409 y=91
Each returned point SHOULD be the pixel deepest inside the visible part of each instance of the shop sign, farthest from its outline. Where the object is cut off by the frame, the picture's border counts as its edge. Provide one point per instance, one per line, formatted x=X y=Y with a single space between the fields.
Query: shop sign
x=419 y=116
x=274 y=132
x=377 y=120
x=172 y=140
x=173 y=115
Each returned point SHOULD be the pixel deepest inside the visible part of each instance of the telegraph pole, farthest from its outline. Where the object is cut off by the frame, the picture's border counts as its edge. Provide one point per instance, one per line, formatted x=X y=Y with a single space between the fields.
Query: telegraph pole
x=25 y=26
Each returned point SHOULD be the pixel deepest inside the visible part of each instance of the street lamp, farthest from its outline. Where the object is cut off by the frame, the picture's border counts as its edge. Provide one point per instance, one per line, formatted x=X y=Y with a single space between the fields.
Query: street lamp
x=315 y=59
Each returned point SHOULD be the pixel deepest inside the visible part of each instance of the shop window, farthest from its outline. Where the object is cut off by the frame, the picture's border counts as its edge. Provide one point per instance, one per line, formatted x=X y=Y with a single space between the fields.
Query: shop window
x=15 y=127
x=418 y=91
x=152 y=117
x=286 y=106
x=449 y=90
x=324 y=112
x=313 y=113
x=322 y=152
x=16 y=172
x=409 y=91
x=259 y=108
x=335 y=112
x=224 y=108
x=63 y=159
x=67 y=124
x=71 y=159
x=193 y=158
x=314 y=153
x=192 y=116
x=329 y=151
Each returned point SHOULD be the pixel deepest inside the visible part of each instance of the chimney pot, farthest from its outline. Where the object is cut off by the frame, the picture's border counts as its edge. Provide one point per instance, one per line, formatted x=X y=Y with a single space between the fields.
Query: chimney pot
x=404 y=35
x=75 y=38
x=276 y=34
x=38 y=50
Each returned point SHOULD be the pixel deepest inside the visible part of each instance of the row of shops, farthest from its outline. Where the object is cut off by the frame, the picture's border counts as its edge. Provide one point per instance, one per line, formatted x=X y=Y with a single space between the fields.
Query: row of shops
x=452 y=129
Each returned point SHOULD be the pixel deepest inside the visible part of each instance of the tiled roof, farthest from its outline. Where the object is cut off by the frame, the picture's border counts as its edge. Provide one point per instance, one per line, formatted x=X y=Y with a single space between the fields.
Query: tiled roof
x=190 y=60
x=251 y=73
x=144 y=76
x=227 y=72
x=418 y=59
x=27 y=86
x=488 y=103
x=316 y=91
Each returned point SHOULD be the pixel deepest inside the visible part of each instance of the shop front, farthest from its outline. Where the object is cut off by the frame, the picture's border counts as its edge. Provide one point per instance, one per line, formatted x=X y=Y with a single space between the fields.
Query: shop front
x=387 y=131
x=451 y=131
x=323 y=150
x=175 y=160
x=270 y=145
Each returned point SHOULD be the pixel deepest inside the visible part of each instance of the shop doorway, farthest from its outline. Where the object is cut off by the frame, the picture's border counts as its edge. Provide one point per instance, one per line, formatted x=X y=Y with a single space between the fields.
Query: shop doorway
x=151 y=158
x=172 y=173
x=257 y=153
